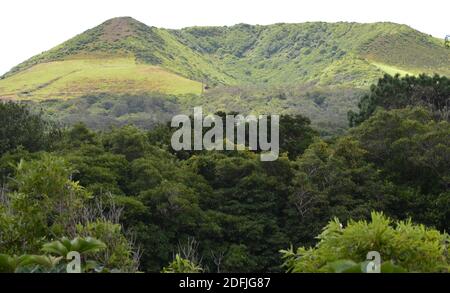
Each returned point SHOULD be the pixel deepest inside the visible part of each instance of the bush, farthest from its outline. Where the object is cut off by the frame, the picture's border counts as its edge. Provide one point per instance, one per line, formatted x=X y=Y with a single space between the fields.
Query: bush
x=181 y=265
x=414 y=248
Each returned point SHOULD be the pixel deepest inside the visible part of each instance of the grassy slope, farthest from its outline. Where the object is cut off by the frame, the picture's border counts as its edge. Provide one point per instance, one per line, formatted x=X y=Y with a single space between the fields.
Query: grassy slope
x=392 y=70
x=75 y=77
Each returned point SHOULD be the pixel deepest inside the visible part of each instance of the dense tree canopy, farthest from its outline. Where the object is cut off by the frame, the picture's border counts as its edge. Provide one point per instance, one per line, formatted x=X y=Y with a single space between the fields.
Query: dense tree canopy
x=20 y=127
x=160 y=210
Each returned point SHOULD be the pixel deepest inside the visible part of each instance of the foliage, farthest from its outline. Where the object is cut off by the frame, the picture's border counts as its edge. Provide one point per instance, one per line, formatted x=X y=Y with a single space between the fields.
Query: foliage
x=228 y=211
x=12 y=264
x=334 y=180
x=101 y=111
x=181 y=265
x=21 y=128
x=412 y=150
x=45 y=203
x=394 y=92
x=119 y=254
x=64 y=246
x=49 y=262
x=408 y=246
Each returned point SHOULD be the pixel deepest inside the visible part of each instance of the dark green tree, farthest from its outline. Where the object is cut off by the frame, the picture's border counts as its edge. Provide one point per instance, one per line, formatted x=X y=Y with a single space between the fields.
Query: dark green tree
x=20 y=127
x=395 y=92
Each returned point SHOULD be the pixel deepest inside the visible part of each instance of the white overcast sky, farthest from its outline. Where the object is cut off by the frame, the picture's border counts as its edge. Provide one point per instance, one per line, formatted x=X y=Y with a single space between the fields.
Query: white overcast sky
x=28 y=27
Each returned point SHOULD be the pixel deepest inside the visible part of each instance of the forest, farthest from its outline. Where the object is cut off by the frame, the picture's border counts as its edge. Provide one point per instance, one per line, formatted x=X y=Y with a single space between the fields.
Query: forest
x=127 y=202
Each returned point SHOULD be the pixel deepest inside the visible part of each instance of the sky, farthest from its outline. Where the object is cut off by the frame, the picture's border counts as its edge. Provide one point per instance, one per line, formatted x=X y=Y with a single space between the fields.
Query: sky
x=28 y=27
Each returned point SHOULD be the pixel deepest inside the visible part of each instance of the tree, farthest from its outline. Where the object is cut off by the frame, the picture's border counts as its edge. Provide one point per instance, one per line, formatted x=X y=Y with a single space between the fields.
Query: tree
x=395 y=92
x=43 y=201
x=128 y=141
x=333 y=180
x=20 y=127
x=412 y=150
x=295 y=134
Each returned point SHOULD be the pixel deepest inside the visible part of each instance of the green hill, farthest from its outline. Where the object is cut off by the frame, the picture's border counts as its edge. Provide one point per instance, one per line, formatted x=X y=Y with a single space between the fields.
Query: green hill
x=124 y=56
x=317 y=69
x=323 y=53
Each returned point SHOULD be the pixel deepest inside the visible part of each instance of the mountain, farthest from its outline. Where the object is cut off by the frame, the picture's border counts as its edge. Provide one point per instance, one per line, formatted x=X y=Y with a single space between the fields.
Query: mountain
x=125 y=56
x=124 y=71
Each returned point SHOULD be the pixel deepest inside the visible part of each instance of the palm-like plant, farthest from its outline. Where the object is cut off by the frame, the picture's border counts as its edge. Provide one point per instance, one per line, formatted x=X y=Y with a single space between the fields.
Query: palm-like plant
x=57 y=251
x=15 y=263
x=81 y=245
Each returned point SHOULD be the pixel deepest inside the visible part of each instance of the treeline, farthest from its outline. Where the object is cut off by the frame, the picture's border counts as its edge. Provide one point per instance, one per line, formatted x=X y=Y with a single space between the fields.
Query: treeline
x=326 y=106
x=156 y=209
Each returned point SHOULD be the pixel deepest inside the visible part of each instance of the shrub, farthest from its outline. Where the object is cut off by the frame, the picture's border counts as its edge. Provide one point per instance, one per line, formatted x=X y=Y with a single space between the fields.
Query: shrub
x=414 y=248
